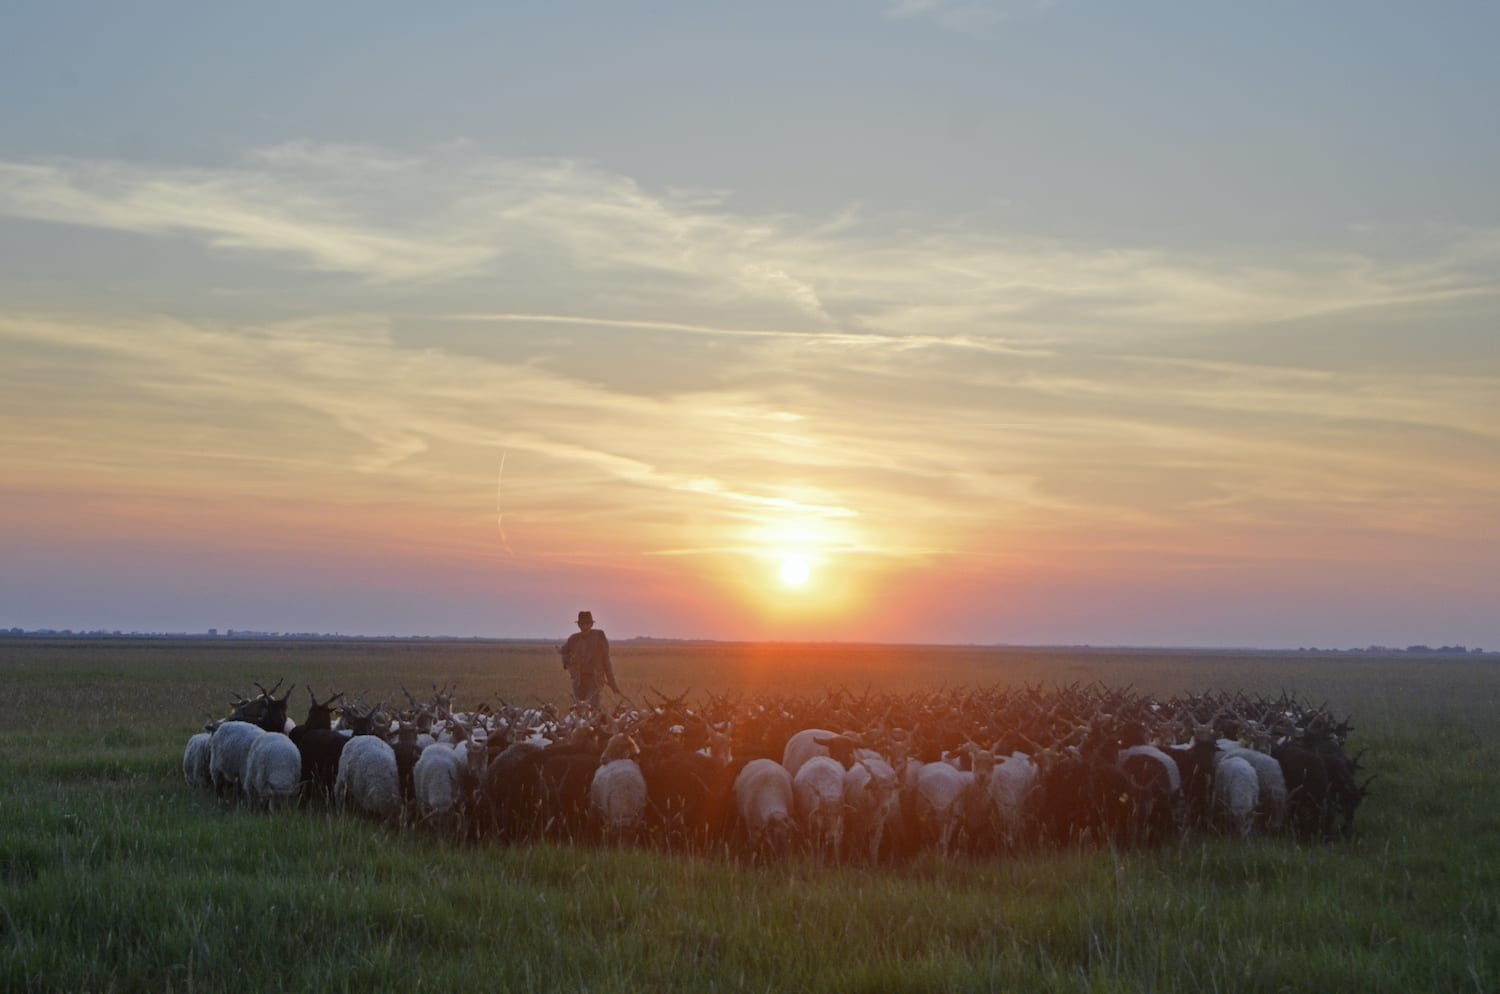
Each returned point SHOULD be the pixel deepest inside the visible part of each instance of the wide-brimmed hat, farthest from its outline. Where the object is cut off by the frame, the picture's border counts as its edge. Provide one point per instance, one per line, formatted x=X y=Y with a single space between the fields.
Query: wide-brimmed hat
x=586 y=616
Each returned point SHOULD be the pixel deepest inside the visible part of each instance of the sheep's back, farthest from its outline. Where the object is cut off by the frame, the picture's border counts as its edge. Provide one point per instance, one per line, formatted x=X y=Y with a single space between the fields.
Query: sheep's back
x=273 y=769
x=229 y=749
x=938 y=786
x=1236 y=791
x=1268 y=774
x=762 y=791
x=618 y=794
x=367 y=777
x=437 y=778
x=196 y=759
x=1010 y=787
x=803 y=746
x=1169 y=766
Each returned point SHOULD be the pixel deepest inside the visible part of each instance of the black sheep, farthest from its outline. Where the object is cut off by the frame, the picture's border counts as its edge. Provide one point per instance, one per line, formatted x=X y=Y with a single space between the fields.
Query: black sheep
x=1153 y=820
x=566 y=773
x=408 y=751
x=678 y=783
x=320 y=747
x=1084 y=800
x=1197 y=764
x=510 y=800
x=267 y=712
x=1322 y=791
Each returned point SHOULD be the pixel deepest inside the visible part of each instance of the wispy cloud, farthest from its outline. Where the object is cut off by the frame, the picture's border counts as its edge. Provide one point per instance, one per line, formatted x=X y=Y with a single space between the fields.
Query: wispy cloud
x=965 y=15
x=278 y=212
x=301 y=407
x=658 y=366
x=685 y=259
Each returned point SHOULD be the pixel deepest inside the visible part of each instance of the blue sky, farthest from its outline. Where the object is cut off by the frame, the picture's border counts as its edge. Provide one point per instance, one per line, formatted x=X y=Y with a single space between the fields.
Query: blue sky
x=1158 y=122
x=1018 y=321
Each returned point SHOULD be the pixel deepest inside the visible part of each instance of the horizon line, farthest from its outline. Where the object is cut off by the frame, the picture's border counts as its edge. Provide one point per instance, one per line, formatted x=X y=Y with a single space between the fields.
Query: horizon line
x=232 y=634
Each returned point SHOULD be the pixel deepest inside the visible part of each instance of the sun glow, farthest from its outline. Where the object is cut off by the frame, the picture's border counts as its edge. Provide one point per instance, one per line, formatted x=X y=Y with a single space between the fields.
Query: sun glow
x=798 y=574
x=795 y=571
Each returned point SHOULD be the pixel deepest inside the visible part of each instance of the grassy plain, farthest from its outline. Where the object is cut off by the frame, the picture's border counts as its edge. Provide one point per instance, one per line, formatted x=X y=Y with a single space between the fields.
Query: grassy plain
x=115 y=876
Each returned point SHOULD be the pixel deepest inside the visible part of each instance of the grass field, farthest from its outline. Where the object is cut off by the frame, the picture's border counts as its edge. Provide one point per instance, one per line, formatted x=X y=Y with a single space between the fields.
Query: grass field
x=116 y=876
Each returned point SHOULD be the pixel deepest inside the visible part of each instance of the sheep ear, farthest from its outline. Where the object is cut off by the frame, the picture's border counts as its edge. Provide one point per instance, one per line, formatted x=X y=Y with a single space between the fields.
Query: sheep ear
x=826 y=742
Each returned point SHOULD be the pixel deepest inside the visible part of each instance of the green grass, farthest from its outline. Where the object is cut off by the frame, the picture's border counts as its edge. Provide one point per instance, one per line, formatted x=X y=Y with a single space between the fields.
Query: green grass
x=114 y=875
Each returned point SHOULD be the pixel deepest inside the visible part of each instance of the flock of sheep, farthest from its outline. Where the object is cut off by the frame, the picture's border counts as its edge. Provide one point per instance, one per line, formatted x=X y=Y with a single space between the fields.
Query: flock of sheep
x=873 y=778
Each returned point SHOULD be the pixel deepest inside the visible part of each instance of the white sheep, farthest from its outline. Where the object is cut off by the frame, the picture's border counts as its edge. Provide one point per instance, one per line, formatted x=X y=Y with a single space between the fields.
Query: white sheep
x=476 y=756
x=763 y=799
x=1236 y=793
x=438 y=782
x=940 y=792
x=1010 y=788
x=229 y=748
x=1269 y=778
x=979 y=814
x=617 y=794
x=367 y=778
x=197 y=758
x=872 y=795
x=902 y=761
x=803 y=746
x=818 y=798
x=273 y=773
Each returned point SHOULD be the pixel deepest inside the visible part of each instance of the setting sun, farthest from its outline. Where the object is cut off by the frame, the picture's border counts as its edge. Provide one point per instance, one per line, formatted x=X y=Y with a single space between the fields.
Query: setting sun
x=795 y=571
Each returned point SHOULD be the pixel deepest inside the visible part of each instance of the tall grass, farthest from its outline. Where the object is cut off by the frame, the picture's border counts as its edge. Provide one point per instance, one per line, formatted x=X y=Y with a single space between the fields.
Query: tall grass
x=114 y=875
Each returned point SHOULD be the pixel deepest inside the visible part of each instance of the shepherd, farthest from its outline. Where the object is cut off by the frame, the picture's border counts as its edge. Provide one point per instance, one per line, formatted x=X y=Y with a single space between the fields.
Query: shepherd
x=585 y=655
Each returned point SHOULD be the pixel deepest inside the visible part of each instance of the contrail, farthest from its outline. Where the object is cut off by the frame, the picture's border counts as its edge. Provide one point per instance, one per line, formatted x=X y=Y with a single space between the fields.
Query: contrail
x=697 y=329
x=867 y=339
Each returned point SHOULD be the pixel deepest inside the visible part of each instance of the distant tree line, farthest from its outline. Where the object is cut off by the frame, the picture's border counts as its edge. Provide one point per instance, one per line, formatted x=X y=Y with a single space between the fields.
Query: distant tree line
x=232 y=633
x=1418 y=650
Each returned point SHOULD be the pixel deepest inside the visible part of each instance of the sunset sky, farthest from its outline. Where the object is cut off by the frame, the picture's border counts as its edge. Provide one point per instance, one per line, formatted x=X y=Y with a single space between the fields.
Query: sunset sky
x=1030 y=322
